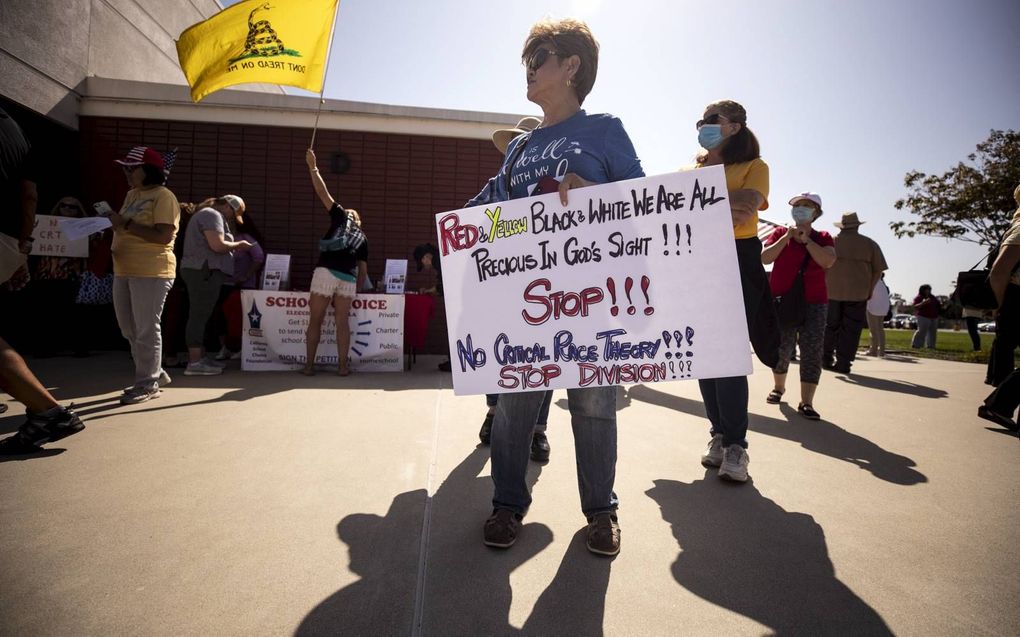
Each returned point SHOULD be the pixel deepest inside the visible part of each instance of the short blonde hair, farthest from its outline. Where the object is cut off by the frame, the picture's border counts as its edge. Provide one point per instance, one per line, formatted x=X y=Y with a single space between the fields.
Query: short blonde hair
x=568 y=37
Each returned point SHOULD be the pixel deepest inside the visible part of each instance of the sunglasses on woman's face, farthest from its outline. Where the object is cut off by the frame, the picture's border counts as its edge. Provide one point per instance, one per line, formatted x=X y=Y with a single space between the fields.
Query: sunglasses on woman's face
x=711 y=119
x=69 y=206
x=538 y=59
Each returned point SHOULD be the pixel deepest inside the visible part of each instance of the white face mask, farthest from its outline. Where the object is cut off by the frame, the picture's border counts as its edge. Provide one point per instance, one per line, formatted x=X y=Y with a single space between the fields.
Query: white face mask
x=803 y=214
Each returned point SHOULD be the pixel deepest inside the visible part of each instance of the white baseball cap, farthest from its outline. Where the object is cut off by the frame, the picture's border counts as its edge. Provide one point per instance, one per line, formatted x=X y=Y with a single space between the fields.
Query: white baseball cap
x=235 y=202
x=810 y=196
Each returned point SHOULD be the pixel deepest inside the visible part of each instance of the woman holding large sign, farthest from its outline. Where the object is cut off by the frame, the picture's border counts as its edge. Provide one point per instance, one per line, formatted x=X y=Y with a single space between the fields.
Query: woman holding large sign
x=723 y=133
x=571 y=149
x=342 y=266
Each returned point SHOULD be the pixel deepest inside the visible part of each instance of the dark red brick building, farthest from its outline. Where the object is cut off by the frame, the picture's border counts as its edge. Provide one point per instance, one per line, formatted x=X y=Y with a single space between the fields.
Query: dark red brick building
x=397 y=166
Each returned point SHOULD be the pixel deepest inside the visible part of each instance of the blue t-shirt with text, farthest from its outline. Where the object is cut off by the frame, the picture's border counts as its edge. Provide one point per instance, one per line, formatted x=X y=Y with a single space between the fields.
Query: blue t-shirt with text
x=594 y=147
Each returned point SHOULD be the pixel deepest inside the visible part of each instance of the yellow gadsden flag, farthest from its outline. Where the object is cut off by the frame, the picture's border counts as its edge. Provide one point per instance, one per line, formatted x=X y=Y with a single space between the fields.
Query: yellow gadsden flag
x=277 y=42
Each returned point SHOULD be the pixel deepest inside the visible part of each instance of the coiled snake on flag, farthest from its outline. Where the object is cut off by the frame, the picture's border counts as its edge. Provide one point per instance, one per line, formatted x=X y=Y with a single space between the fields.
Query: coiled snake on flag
x=262 y=39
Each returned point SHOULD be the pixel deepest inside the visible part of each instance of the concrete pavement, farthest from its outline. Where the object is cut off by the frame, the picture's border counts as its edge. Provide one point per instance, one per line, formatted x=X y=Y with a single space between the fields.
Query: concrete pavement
x=274 y=504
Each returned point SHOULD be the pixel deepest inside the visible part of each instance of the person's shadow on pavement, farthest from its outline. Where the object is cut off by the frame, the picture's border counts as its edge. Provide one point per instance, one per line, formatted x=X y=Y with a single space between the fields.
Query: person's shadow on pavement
x=743 y=552
x=819 y=436
x=466 y=585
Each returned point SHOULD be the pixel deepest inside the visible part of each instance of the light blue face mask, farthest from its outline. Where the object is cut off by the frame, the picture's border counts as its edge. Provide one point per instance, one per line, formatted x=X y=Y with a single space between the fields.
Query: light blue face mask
x=803 y=214
x=710 y=136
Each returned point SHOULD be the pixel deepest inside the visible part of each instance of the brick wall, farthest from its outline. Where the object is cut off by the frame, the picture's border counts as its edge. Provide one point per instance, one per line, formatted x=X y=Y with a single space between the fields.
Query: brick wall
x=397 y=182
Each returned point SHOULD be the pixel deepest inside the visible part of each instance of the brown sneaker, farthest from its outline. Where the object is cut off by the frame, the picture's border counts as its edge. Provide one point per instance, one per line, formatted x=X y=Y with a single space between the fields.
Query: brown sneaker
x=604 y=534
x=501 y=528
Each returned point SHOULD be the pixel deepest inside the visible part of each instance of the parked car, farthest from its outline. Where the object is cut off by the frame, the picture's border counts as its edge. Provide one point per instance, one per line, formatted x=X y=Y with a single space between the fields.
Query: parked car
x=903 y=321
x=986 y=327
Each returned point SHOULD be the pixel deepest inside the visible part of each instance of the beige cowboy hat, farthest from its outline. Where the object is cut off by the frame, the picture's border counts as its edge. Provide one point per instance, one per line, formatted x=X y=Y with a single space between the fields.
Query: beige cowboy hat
x=849 y=220
x=504 y=136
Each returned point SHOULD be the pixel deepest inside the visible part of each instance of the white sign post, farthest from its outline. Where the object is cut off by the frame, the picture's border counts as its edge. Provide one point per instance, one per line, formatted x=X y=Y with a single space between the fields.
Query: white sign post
x=273 y=334
x=276 y=272
x=49 y=239
x=633 y=281
x=395 y=275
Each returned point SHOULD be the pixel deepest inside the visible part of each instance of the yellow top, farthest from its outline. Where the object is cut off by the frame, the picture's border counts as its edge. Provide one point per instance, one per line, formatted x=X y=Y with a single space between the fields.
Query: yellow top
x=750 y=175
x=134 y=256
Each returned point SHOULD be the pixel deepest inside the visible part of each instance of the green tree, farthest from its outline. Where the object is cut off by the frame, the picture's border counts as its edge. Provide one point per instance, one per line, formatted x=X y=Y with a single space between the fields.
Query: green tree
x=972 y=202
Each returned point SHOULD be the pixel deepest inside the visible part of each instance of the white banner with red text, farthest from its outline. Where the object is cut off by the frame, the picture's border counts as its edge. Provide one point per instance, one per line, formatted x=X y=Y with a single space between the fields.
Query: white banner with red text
x=631 y=282
x=274 y=325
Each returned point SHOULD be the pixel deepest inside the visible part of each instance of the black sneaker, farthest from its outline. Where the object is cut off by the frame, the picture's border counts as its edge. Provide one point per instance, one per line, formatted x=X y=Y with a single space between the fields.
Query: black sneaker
x=445 y=366
x=17 y=446
x=603 y=534
x=997 y=418
x=40 y=428
x=501 y=528
x=539 y=447
x=485 y=433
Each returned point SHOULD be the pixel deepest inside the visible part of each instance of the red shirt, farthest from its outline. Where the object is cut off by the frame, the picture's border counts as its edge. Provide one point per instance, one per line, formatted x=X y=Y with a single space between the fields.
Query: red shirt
x=784 y=268
x=929 y=309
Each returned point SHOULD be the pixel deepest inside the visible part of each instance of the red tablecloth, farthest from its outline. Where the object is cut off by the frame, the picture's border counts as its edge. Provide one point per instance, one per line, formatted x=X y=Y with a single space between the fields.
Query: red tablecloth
x=418 y=311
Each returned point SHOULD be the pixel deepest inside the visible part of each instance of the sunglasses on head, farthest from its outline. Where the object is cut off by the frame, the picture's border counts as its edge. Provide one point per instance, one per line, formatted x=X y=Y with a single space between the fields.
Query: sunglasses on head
x=711 y=119
x=539 y=58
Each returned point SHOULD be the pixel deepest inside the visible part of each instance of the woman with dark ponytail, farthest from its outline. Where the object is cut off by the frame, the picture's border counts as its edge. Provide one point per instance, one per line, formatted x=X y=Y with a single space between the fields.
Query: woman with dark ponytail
x=723 y=133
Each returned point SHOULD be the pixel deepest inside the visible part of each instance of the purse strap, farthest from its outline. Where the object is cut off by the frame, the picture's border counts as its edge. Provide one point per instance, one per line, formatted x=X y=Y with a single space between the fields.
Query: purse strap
x=984 y=258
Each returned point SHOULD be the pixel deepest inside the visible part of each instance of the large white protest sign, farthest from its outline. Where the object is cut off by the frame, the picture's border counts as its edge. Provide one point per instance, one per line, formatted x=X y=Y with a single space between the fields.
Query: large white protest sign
x=49 y=239
x=273 y=334
x=634 y=281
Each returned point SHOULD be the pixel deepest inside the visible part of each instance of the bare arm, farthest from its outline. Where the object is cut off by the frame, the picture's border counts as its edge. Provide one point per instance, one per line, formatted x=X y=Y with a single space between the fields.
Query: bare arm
x=825 y=256
x=362 y=275
x=218 y=245
x=317 y=183
x=161 y=233
x=1008 y=257
x=744 y=204
x=772 y=252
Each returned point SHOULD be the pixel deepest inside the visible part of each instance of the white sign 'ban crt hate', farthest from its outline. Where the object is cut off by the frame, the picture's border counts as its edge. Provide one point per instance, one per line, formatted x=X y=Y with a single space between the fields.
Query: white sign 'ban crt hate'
x=631 y=282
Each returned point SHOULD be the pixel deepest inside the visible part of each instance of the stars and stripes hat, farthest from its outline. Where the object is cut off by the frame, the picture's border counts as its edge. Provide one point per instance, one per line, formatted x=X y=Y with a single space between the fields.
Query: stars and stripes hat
x=140 y=155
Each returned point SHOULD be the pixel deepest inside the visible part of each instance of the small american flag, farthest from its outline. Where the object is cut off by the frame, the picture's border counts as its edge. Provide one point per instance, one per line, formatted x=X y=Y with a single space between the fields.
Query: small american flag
x=171 y=156
x=765 y=228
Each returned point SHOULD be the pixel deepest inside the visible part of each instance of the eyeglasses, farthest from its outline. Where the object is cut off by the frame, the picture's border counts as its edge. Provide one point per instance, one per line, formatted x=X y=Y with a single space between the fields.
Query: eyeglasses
x=711 y=119
x=538 y=59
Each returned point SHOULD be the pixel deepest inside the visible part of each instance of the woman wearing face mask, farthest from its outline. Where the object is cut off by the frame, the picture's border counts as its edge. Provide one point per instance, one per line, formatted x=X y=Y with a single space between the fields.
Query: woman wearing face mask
x=723 y=133
x=791 y=250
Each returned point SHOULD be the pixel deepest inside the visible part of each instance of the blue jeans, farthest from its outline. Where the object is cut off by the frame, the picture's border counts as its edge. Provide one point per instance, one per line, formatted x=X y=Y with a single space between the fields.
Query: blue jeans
x=491 y=400
x=726 y=406
x=927 y=328
x=593 y=419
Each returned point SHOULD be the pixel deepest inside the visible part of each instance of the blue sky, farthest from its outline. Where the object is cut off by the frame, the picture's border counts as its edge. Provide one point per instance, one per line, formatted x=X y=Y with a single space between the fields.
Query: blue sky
x=845 y=97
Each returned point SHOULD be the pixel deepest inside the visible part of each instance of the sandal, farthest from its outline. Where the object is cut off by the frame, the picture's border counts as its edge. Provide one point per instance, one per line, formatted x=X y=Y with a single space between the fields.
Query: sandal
x=774 y=397
x=308 y=371
x=343 y=372
x=808 y=412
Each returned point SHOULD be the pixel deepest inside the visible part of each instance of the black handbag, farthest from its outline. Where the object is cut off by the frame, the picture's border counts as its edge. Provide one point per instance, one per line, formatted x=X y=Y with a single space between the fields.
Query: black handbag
x=974 y=290
x=791 y=308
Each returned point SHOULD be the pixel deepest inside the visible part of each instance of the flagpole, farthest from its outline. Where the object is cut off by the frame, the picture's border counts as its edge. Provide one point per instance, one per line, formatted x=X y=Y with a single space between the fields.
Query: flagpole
x=325 y=72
